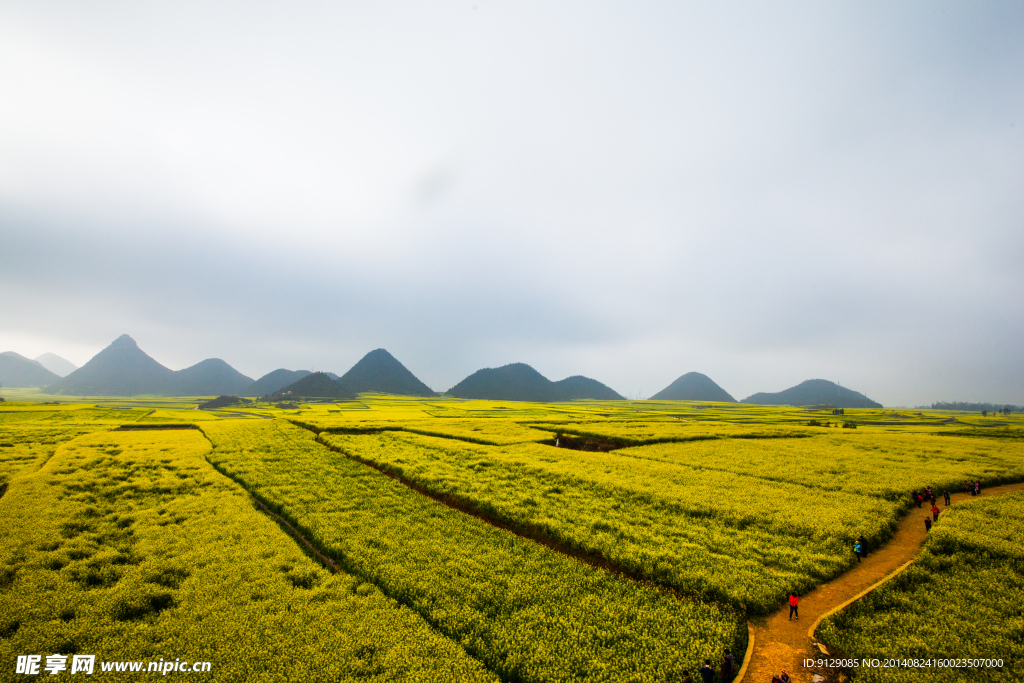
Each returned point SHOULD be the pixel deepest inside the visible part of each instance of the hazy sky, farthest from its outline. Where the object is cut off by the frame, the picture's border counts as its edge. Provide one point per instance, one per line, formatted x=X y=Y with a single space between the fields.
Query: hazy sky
x=763 y=192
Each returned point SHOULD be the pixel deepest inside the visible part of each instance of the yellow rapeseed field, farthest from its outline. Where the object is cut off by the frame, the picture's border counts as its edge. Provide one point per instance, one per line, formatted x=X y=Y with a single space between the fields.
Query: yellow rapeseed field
x=130 y=531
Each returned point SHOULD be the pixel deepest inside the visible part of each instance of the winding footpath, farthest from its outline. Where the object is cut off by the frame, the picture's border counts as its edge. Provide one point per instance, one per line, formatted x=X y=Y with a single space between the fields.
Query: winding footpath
x=783 y=644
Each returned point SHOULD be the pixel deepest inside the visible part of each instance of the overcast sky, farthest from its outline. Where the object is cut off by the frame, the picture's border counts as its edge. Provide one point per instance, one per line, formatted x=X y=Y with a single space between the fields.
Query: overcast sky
x=762 y=192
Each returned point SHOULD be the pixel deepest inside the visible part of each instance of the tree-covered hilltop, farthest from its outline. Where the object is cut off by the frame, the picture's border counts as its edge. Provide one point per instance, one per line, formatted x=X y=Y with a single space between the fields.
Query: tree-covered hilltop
x=380 y=371
x=814 y=392
x=694 y=386
x=520 y=382
x=315 y=385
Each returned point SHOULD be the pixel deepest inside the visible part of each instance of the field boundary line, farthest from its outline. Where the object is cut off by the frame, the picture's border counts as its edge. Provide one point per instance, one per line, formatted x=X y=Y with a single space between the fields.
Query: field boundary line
x=327 y=562
x=847 y=603
x=530 y=533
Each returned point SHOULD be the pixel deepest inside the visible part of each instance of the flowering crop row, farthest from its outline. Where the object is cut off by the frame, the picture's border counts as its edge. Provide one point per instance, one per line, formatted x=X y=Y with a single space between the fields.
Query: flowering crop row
x=715 y=535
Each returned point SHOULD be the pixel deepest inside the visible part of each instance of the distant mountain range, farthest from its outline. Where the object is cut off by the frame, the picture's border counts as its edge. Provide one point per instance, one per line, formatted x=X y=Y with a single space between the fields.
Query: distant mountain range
x=520 y=382
x=123 y=369
x=815 y=392
x=693 y=386
x=18 y=371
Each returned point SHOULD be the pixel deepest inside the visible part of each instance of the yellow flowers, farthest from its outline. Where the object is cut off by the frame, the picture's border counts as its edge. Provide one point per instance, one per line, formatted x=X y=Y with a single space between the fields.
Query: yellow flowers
x=128 y=545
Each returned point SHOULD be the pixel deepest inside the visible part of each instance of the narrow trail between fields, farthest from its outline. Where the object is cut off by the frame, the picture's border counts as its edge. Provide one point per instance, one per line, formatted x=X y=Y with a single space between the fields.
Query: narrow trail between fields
x=783 y=644
x=327 y=562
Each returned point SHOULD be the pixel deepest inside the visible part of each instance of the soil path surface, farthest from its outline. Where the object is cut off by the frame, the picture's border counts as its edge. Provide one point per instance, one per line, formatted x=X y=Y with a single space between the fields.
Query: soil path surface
x=783 y=644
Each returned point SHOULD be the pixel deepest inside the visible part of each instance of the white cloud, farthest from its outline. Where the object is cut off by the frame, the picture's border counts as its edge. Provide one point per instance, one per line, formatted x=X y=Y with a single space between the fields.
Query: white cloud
x=764 y=194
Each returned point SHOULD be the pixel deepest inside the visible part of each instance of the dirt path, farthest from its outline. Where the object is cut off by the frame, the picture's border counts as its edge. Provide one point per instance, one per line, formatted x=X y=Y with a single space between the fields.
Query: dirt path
x=782 y=644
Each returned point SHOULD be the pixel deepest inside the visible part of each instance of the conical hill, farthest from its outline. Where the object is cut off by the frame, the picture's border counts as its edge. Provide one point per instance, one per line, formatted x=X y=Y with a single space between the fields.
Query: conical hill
x=380 y=371
x=694 y=386
x=211 y=377
x=121 y=369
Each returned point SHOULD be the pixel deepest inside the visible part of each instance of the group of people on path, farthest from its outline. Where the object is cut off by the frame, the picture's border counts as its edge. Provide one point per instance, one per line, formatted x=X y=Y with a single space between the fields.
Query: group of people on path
x=973 y=487
x=707 y=672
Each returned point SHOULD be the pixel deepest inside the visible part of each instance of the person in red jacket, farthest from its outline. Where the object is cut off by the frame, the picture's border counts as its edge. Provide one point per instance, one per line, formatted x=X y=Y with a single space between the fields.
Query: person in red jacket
x=793 y=602
x=935 y=513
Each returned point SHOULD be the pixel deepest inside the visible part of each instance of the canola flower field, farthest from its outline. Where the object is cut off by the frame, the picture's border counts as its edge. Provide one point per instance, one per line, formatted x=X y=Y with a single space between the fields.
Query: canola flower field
x=133 y=530
x=129 y=545
x=528 y=613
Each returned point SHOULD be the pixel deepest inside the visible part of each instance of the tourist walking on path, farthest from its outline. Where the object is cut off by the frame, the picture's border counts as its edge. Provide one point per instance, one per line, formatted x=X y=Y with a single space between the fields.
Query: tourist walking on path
x=935 y=513
x=793 y=603
x=857 y=549
x=927 y=523
x=945 y=494
x=917 y=498
x=977 y=488
x=863 y=545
